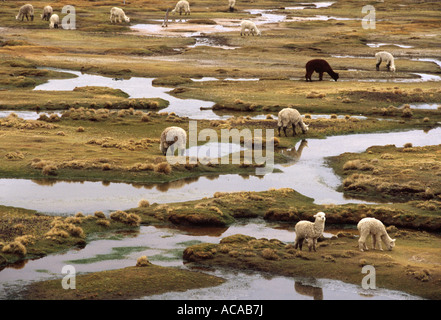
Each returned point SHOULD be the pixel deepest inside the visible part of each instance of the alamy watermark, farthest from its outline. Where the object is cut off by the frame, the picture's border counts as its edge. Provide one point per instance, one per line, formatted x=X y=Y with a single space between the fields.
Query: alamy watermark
x=368 y=21
x=257 y=149
x=368 y=281
x=68 y=281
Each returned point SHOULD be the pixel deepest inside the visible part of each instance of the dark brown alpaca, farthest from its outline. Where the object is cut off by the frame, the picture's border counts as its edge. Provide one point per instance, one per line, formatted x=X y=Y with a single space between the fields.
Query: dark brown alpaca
x=320 y=66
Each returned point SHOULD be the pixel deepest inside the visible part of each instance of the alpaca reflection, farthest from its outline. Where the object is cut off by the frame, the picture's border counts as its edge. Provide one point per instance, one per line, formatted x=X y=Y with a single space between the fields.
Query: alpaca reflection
x=310 y=291
x=294 y=154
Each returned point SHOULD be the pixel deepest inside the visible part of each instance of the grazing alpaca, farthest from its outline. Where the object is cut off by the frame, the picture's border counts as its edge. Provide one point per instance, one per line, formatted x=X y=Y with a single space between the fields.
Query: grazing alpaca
x=320 y=66
x=387 y=58
x=289 y=116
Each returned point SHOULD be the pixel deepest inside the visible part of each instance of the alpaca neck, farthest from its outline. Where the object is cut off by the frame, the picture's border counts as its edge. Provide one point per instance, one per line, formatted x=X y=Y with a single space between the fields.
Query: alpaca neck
x=319 y=226
x=302 y=125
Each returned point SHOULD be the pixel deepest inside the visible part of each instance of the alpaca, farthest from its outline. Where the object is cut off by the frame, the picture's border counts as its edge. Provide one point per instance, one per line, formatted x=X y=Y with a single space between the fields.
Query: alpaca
x=320 y=66
x=387 y=58
x=247 y=27
x=174 y=137
x=27 y=11
x=231 y=4
x=47 y=13
x=54 y=21
x=310 y=231
x=375 y=228
x=118 y=15
x=290 y=116
x=182 y=6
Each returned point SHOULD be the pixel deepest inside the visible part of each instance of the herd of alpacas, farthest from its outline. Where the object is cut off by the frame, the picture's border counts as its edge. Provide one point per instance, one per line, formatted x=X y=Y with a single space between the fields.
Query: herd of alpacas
x=247 y=27
x=175 y=138
x=312 y=231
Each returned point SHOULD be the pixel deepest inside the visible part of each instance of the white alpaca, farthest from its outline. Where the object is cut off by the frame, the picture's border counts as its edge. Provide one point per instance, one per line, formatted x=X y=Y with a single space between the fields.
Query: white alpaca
x=25 y=11
x=54 y=21
x=387 y=58
x=182 y=6
x=231 y=4
x=174 y=137
x=118 y=15
x=289 y=116
x=310 y=231
x=250 y=26
x=375 y=228
x=47 y=13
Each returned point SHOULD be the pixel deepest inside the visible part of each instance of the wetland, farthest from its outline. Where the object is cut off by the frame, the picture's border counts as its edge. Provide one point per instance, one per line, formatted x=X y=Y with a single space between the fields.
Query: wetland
x=82 y=180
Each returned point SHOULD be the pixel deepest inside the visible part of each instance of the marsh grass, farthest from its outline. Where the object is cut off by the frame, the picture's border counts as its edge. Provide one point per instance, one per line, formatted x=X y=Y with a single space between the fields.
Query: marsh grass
x=27 y=234
x=399 y=174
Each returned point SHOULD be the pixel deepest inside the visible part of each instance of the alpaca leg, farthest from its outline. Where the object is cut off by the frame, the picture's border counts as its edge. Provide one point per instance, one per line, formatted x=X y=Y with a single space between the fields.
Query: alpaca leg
x=378 y=64
x=362 y=242
x=378 y=240
x=284 y=130
x=308 y=76
x=301 y=244
x=314 y=244
x=374 y=241
x=293 y=130
x=278 y=129
x=320 y=76
x=388 y=66
x=360 y=245
x=298 y=243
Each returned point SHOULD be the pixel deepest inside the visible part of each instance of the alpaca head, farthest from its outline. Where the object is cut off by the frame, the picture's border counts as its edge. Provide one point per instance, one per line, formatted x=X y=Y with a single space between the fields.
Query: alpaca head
x=390 y=244
x=392 y=68
x=335 y=76
x=320 y=216
x=127 y=19
x=305 y=129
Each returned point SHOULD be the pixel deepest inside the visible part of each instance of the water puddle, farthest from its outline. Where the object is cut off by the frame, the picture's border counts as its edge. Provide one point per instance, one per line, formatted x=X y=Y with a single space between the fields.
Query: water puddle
x=311 y=5
x=257 y=286
x=135 y=87
x=209 y=42
x=424 y=106
x=378 y=45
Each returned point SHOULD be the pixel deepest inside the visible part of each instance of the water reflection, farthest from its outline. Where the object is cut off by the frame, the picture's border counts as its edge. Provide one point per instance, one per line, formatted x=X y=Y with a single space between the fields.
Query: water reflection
x=294 y=154
x=309 y=290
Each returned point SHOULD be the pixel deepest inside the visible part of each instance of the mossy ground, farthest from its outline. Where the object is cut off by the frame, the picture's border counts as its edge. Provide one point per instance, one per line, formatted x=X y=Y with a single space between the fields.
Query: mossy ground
x=392 y=173
x=128 y=283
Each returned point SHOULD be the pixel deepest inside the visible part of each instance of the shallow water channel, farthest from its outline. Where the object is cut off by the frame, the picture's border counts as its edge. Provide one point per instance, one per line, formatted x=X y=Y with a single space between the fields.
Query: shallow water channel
x=307 y=174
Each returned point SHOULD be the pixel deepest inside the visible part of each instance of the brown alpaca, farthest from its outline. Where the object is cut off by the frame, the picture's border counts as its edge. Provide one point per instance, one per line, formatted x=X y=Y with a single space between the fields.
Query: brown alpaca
x=320 y=66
